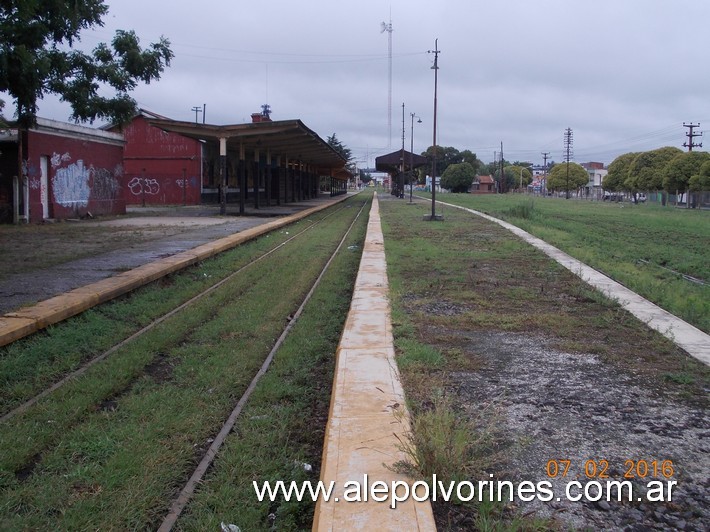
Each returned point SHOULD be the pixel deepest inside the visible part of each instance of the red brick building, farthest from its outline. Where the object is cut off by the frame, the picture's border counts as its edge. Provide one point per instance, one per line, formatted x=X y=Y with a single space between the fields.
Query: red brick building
x=66 y=171
x=483 y=184
x=160 y=167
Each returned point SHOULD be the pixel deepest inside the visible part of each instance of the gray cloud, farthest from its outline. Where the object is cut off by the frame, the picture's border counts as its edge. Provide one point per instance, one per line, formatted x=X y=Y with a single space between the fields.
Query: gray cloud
x=623 y=74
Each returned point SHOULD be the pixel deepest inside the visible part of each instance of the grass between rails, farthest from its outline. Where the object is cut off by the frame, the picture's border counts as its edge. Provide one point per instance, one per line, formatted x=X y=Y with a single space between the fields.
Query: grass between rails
x=636 y=245
x=112 y=448
x=466 y=278
x=283 y=425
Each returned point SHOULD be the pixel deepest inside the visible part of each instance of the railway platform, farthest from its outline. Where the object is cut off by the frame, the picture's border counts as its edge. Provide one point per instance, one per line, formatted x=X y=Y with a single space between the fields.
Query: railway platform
x=67 y=289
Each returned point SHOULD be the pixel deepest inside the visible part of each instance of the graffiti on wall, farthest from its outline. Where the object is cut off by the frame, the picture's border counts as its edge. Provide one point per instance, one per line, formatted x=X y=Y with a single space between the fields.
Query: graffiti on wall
x=57 y=159
x=105 y=185
x=140 y=185
x=73 y=184
x=70 y=185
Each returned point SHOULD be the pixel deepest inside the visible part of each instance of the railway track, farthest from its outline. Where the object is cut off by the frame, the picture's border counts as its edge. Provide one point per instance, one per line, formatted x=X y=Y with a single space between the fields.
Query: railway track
x=176 y=378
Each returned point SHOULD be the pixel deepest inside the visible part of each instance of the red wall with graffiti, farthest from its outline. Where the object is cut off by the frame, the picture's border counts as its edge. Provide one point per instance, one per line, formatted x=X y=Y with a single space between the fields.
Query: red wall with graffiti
x=160 y=167
x=72 y=170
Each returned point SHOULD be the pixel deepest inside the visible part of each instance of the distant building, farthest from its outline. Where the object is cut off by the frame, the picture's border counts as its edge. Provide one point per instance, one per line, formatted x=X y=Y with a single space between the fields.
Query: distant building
x=597 y=173
x=483 y=184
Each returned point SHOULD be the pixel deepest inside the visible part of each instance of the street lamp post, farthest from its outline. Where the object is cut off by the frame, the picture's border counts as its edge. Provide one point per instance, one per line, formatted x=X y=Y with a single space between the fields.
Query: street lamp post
x=411 y=154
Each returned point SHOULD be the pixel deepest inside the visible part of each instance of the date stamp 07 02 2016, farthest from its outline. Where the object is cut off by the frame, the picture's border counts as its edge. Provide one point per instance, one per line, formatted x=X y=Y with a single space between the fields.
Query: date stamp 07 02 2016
x=599 y=469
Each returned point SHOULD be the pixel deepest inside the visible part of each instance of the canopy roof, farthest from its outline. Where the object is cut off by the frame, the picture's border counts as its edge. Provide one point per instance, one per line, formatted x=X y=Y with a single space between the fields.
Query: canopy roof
x=391 y=162
x=290 y=138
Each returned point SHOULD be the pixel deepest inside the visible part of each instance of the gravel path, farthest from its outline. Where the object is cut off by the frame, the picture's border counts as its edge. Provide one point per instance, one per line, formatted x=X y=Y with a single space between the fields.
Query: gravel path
x=569 y=406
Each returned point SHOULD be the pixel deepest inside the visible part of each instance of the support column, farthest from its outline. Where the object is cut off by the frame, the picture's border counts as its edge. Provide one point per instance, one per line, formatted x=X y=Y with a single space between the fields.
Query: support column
x=293 y=182
x=314 y=183
x=281 y=177
x=300 y=181
x=268 y=178
x=257 y=177
x=242 y=179
x=307 y=182
x=223 y=175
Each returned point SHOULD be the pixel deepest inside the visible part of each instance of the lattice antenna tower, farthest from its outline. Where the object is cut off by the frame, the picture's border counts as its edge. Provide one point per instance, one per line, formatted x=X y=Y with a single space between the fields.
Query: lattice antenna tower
x=388 y=28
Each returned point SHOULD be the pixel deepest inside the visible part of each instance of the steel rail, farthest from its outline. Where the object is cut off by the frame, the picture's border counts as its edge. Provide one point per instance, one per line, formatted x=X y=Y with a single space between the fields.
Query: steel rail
x=181 y=501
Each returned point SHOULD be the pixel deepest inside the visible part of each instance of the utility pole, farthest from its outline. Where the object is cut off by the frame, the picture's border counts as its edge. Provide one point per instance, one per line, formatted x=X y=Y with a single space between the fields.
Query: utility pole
x=543 y=188
x=411 y=155
x=400 y=193
x=196 y=110
x=568 y=154
x=435 y=68
x=502 y=173
x=690 y=144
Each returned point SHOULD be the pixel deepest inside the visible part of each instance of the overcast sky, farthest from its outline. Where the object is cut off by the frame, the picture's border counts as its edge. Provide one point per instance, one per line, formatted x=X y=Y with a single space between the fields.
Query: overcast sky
x=623 y=74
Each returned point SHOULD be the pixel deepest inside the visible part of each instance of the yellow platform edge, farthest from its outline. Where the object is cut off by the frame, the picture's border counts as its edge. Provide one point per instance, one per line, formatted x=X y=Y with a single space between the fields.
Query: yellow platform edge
x=368 y=419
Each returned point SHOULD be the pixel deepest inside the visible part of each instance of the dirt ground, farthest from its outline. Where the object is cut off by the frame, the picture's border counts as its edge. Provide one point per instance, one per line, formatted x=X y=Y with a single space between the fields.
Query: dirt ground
x=43 y=260
x=560 y=377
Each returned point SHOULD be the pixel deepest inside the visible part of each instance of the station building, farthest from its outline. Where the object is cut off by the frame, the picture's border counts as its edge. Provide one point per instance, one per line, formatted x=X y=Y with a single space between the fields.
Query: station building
x=57 y=170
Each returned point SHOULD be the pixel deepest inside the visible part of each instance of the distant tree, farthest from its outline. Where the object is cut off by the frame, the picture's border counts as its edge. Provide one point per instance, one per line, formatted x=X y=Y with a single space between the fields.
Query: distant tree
x=445 y=155
x=365 y=177
x=524 y=164
x=509 y=178
x=645 y=173
x=516 y=170
x=488 y=168
x=458 y=177
x=467 y=156
x=451 y=156
x=681 y=168
x=338 y=146
x=618 y=172
x=557 y=178
x=700 y=182
x=37 y=58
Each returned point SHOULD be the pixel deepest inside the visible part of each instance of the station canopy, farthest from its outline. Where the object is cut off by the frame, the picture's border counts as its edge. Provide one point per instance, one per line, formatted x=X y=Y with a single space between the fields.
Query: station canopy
x=290 y=138
x=392 y=162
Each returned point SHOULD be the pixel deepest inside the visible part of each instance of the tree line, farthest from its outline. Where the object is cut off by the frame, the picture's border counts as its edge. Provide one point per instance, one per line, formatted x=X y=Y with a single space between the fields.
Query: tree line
x=667 y=170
